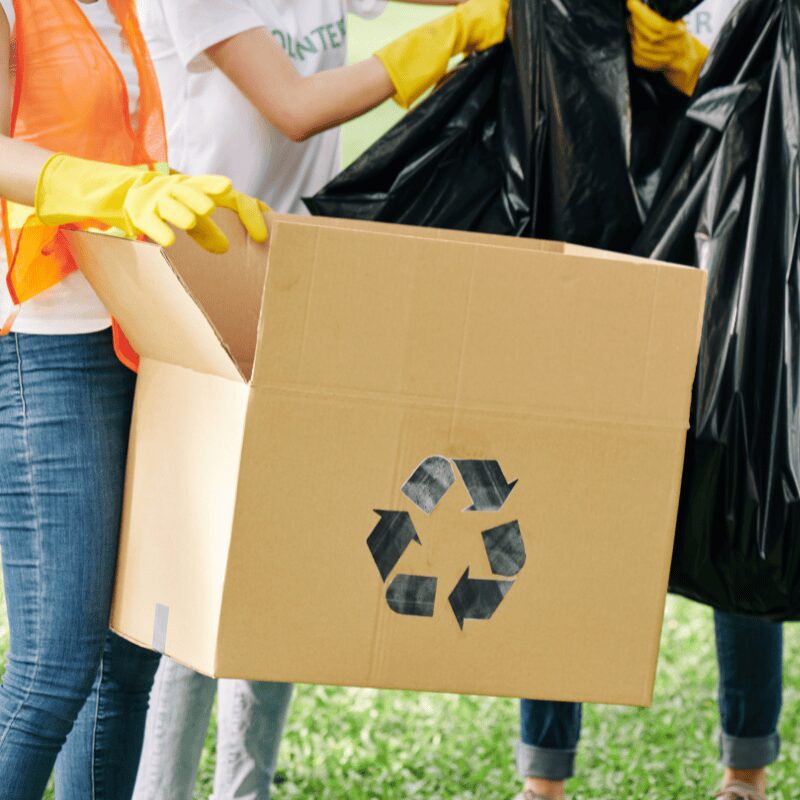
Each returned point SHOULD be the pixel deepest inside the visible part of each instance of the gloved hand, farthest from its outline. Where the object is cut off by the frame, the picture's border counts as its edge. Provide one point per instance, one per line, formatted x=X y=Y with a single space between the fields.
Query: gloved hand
x=416 y=61
x=141 y=202
x=250 y=211
x=663 y=46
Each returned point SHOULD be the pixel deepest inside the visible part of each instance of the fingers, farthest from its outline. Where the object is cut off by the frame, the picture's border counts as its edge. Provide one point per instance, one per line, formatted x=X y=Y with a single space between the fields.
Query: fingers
x=189 y=207
x=152 y=226
x=652 y=25
x=209 y=236
x=187 y=204
x=176 y=213
x=650 y=56
x=251 y=214
x=195 y=200
x=644 y=14
x=209 y=184
x=250 y=211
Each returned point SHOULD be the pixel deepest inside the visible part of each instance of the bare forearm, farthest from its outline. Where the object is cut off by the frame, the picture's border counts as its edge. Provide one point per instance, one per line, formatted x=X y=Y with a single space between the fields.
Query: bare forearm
x=333 y=97
x=299 y=106
x=20 y=165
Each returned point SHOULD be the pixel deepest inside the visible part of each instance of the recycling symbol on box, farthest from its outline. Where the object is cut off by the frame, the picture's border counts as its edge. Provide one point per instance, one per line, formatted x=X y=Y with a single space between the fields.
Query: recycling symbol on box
x=471 y=598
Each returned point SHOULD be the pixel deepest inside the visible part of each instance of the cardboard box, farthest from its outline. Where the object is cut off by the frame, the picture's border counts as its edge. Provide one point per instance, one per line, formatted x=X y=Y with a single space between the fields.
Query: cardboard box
x=288 y=393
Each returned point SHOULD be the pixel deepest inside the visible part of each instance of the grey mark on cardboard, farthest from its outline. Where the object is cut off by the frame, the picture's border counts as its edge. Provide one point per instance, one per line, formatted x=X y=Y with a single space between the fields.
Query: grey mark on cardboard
x=472 y=598
x=476 y=598
x=486 y=484
x=505 y=549
x=160 y=625
x=390 y=538
x=412 y=595
x=429 y=483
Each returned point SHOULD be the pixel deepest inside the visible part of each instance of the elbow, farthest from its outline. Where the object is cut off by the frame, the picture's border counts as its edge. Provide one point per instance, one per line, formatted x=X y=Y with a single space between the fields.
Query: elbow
x=295 y=127
x=298 y=135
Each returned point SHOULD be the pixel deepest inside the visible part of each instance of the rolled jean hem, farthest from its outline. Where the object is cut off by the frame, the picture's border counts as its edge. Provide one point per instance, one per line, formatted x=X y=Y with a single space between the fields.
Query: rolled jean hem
x=749 y=753
x=545 y=763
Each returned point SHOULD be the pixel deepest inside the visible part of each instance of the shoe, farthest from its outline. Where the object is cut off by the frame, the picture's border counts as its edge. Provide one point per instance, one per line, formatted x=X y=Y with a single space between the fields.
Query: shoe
x=739 y=791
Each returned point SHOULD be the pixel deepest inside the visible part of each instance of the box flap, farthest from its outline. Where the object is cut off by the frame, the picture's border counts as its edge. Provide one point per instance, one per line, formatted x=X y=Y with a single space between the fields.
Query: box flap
x=145 y=293
x=228 y=287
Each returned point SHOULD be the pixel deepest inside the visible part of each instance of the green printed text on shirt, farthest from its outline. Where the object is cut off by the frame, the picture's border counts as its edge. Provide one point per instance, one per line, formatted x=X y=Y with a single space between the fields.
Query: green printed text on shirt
x=330 y=36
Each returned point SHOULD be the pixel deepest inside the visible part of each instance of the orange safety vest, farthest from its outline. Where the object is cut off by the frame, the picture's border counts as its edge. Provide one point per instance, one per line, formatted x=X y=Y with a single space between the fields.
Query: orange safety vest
x=70 y=97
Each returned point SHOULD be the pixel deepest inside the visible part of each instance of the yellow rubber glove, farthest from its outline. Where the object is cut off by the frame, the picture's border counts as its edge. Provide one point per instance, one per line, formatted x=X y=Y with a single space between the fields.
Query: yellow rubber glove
x=418 y=60
x=663 y=46
x=138 y=202
x=250 y=211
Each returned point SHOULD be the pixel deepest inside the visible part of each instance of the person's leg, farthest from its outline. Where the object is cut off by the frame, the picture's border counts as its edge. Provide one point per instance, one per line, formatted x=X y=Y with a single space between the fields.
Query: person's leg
x=177 y=726
x=750 y=656
x=549 y=737
x=65 y=406
x=101 y=756
x=250 y=721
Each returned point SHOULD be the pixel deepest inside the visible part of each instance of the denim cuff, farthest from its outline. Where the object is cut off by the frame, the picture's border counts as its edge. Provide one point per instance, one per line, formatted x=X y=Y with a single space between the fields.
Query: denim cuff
x=545 y=763
x=749 y=753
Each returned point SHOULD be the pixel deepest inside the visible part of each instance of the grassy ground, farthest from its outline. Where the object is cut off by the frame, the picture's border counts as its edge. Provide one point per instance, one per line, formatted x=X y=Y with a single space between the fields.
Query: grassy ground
x=353 y=744
x=359 y=744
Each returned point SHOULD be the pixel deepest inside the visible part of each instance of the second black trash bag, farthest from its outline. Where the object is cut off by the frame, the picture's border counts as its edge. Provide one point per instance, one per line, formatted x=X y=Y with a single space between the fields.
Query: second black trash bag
x=730 y=204
x=672 y=9
x=534 y=138
x=573 y=62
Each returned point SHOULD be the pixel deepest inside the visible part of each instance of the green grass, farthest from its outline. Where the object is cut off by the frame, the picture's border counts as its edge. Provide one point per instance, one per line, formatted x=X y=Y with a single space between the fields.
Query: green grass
x=357 y=744
x=361 y=744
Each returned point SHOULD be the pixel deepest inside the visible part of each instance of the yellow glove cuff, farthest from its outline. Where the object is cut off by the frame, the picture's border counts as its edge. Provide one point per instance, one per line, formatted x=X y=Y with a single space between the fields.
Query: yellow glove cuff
x=418 y=60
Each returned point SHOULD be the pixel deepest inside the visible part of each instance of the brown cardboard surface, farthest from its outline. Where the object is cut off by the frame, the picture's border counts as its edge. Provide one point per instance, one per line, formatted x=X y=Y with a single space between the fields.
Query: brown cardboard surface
x=248 y=507
x=228 y=288
x=193 y=424
x=157 y=311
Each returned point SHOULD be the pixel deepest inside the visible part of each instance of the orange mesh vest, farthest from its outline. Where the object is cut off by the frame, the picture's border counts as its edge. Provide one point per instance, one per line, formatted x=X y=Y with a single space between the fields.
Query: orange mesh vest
x=70 y=97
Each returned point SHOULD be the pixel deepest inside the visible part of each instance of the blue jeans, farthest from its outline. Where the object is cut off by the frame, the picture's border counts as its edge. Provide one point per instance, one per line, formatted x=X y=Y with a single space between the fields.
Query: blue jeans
x=250 y=720
x=750 y=658
x=65 y=410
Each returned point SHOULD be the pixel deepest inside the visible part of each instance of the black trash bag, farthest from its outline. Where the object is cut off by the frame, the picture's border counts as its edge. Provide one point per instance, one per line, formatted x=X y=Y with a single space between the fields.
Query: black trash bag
x=673 y=9
x=730 y=204
x=457 y=161
x=573 y=59
x=533 y=138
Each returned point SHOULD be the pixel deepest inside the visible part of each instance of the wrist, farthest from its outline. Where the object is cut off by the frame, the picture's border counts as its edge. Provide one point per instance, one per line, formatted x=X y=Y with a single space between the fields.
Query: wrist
x=70 y=189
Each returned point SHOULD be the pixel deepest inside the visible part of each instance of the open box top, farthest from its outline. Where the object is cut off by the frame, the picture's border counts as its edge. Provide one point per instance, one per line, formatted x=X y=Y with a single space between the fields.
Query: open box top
x=190 y=308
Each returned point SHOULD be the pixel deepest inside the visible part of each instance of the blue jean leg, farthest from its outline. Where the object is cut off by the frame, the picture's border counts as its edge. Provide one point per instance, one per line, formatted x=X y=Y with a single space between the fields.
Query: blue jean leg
x=549 y=737
x=101 y=756
x=750 y=657
x=65 y=408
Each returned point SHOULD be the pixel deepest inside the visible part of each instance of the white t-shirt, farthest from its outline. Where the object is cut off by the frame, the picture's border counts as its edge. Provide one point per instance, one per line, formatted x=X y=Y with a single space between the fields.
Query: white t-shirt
x=71 y=306
x=211 y=126
x=706 y=21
